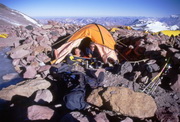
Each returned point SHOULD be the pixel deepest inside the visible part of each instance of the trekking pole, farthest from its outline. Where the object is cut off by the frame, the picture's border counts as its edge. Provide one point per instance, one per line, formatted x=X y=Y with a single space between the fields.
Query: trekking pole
x=152 y=83
x=156 y=85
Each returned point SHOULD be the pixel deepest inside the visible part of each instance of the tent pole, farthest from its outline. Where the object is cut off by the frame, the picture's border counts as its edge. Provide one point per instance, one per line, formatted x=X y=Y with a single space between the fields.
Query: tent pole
x=61 y=40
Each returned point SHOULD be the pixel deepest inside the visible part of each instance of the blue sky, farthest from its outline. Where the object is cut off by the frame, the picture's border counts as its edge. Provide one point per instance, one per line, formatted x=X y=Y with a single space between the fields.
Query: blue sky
x=95 y=8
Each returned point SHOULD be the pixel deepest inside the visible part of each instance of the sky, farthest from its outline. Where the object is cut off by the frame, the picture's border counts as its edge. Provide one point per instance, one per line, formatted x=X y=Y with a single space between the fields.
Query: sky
x=95 y=8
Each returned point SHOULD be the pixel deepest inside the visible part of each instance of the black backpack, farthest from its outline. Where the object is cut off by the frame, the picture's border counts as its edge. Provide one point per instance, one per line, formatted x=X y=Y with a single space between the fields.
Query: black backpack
x=75 y=99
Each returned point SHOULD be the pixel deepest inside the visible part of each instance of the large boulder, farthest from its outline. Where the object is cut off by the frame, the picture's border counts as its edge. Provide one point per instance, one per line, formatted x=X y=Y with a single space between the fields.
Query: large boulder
x=123 y=100
x=24 y=88
x=36 y=112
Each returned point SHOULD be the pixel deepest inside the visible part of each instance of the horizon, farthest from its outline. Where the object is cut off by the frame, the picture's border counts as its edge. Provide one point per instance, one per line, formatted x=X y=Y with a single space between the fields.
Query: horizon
x=95 y=8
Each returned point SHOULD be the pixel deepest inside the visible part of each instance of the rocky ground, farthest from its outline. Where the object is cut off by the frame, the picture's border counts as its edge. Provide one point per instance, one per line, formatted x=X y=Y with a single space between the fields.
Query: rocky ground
x=120 y=97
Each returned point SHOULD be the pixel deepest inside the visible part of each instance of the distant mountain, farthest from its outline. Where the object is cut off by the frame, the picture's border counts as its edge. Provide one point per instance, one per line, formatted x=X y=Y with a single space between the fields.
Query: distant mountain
x=106 y=21
x=153 y=25
x=172 y=20
x=12 y=17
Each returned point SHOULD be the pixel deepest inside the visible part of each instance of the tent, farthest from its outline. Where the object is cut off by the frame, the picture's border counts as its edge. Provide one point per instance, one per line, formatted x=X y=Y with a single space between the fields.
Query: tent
x=97 y=34
x=171 y=32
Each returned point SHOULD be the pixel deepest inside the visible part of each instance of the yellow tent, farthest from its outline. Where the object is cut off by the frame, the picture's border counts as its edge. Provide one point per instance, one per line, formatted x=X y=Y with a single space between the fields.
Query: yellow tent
x=128 y=28
x=114 y=29
x=171 y=32
x=97 y=34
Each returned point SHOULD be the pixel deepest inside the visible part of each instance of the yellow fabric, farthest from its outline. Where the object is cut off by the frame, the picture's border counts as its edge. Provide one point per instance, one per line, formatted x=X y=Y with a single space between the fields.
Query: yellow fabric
x=128 y=27
x=114 y=29
x=171 y=32
x=95 y=32
x=3 y=35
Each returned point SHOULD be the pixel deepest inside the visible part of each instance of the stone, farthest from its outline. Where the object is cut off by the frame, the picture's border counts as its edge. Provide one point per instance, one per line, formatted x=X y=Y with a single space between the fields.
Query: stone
x=124 y=101
x=43 y=32
x=54 y=33
x=45 y=27
x=74 y=116
x=39 y=38
x=24 y=88
x=30 y=58
x=35 y=32
x=44 y=68
x=43 y=96
x=23 y=62
x=43 y=57
x=29 y=27
x=45 y=46
x=10 y=41
x=101 y=117
x=176 y=59
x=37 y=112
x=38 y=50
x=10 y=76
x=94 y=98
x=20 y=53
x=15 y=62
x=166 y=116
x=127 y=120
x=30 y=72
x=171 y=51
x=176 y=85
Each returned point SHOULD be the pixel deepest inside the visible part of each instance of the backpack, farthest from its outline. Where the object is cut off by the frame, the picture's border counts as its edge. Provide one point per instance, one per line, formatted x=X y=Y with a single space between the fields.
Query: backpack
x=75 y=99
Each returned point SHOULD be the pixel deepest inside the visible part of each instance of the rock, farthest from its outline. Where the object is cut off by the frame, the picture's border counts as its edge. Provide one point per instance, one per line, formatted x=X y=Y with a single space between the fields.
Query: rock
x=44 y=68
x=171 y=51
x=10 y=76
x=127 y=120
x=43 y=96
x=176 y=85
x=35 y=32
x=123 y=100
x=43 y=57
x=75 y=116
x=94 y=98
x=45 y=27
x=30 y=58
x=24 y=88
x=39 y=38
x=37 y=50
x=54 y=33
x=20 y=53
x=23 y=62
x=10 y=41
x=43 y=32
x=176 y=59
x=29 y=27
x=164 y=116
x=15 y=62
x=45 y=46
x=101 y=117
x=36 y=112
x=30 y=72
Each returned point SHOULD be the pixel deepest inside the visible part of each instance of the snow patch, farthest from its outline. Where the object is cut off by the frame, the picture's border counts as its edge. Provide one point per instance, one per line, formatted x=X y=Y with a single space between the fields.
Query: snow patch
x=29 y=19
x=174 y=27
x=152 y=25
